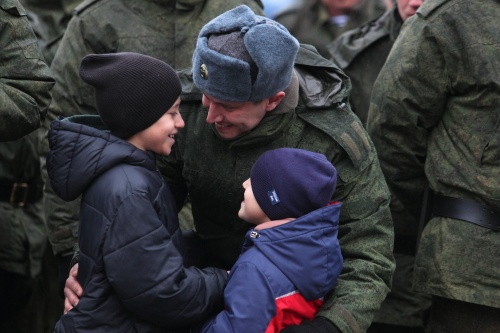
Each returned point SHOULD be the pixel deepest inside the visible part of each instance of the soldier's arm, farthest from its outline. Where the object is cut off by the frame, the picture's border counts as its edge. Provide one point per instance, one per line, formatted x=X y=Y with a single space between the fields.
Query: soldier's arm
x=366 y=237
x=25 y=80
x=71 y=96
x=407 y=101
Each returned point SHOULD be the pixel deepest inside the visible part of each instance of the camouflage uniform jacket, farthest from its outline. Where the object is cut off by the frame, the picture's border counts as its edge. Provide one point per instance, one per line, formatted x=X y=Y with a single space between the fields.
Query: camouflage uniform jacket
x=362 y=52
x=212 y=169
x=25 y=80
x=165 y=30
x=23 y=235
x=309 y=21
x=436 y=113
x=49 y=19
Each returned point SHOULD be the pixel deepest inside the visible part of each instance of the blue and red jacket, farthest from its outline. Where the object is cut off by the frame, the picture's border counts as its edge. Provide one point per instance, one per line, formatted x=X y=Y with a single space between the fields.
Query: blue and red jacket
x=281 y=275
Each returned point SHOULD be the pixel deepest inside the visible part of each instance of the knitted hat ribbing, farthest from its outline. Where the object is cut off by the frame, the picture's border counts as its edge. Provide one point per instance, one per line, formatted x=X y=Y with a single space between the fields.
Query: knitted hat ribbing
x=288 y=182
x=132 y=91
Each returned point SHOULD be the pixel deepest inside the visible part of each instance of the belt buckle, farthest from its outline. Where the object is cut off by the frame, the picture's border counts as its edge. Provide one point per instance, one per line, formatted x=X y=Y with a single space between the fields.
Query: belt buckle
x=19 y=190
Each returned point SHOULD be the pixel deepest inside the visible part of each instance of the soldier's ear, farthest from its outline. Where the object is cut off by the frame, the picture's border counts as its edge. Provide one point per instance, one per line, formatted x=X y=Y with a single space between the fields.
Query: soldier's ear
x=273 y=101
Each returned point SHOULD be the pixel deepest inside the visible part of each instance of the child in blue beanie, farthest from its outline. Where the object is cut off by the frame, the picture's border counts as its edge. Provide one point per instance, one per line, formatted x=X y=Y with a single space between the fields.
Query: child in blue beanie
x=292 y=258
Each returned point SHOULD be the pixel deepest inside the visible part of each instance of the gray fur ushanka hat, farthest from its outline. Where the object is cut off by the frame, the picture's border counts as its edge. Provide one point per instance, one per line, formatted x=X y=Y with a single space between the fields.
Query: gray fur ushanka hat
x=271 y=47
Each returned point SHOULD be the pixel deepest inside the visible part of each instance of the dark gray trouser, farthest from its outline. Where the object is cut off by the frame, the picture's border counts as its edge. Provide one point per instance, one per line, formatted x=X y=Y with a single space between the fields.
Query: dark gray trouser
x=452 y=316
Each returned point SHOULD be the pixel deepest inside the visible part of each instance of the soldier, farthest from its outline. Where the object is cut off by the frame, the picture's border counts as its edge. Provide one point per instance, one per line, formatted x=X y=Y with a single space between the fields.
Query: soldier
x=25 y=79
x=165 y=30
x=319 y=22
x=361 y=53
x=435 y=117
x=243 y=102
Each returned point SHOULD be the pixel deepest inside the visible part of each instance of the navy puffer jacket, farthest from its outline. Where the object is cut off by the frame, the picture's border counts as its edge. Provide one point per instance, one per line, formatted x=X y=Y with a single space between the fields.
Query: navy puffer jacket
x=131 y=247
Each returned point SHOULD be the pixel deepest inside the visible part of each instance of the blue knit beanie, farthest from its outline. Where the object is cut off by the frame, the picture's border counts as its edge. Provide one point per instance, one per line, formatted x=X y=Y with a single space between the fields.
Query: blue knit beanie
x=267 y=54
x=288 y=182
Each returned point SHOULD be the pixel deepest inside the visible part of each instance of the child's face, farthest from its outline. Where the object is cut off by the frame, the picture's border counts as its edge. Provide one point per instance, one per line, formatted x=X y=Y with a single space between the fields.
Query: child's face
x=159 y=137
x=250 y=210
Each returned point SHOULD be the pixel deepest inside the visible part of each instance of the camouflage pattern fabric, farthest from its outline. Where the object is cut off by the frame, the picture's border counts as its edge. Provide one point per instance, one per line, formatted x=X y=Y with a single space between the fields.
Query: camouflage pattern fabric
x=25 y=80
x=435 y=117
x=22 y=229
x=213 y=169
x=166 y=30
x=361 y=53
x=49 y=19
x=309 y=21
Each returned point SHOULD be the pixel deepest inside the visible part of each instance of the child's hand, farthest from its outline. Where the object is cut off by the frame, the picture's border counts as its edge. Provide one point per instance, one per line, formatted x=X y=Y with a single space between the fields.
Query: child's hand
x=72 y=290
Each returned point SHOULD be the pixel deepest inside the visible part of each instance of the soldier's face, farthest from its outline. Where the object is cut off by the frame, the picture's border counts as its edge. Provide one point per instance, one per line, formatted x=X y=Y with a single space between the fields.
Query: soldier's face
x=234 y=118
x=408 y=8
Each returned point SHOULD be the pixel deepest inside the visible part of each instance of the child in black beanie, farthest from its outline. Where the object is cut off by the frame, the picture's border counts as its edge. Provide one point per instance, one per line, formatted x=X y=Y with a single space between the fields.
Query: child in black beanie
x=292 y=258
x=131 y=248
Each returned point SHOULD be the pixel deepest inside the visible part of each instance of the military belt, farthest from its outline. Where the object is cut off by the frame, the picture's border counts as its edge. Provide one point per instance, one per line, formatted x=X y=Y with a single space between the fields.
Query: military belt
x=466 y=210
x=19 y=194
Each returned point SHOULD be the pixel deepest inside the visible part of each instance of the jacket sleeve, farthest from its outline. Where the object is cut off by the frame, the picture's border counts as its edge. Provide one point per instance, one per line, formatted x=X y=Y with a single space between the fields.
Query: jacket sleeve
x=249 y=303
x=146 y=269
x=25 y=80
x=72 y=96
x=366 y=236
x=408 y=100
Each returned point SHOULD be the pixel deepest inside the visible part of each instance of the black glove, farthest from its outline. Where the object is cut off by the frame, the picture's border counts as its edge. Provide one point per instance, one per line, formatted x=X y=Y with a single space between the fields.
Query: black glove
x=318 y=325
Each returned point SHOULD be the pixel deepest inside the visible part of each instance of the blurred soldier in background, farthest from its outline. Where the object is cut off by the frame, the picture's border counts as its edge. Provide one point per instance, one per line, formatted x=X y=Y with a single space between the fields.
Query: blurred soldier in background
x=25 y=85
x=49 y=19
x=319 y=22
x=166 y=30
x=435 y=119
x=361 y=53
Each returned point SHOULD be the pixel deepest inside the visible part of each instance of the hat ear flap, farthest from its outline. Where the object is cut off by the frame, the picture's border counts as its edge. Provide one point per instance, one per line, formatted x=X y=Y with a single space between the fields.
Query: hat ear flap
x=271 y=59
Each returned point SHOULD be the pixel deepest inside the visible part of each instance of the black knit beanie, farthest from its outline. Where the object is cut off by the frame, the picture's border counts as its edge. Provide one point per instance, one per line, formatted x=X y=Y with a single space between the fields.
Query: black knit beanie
x=289 y=182
x=132 y=91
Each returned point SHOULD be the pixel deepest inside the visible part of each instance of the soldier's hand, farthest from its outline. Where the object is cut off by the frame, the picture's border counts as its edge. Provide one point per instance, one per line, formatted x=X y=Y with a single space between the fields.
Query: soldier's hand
x=72 y=290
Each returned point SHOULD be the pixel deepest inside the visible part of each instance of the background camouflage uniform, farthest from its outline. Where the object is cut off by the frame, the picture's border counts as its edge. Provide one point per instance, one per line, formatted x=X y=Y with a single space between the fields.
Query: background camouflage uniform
x=25 y=80
x=166 y=30
x=49 y=19
x=212 y=169
x=361 y=53
x=435 y=114
x=309 y=21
